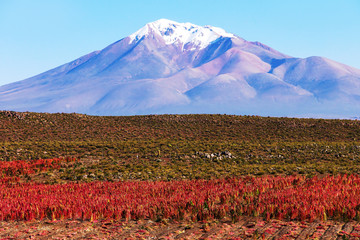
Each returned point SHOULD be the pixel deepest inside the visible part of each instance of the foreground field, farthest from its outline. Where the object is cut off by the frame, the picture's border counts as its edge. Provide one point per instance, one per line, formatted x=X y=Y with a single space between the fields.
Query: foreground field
x=72 y=176
x=269 y=207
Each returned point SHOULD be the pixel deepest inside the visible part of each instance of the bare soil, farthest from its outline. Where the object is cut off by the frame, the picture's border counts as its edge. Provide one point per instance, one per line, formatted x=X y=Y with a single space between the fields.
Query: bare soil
x=246 y=228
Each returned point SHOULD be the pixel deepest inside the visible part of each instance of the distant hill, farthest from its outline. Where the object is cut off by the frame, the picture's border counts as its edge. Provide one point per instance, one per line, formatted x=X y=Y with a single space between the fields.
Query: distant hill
x=37 y=127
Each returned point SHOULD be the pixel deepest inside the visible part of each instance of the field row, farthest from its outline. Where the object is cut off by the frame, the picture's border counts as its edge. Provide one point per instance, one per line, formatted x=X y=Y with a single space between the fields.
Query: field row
x=285 y=152
x=270 y=197
x=11 y=171
x=171 y=159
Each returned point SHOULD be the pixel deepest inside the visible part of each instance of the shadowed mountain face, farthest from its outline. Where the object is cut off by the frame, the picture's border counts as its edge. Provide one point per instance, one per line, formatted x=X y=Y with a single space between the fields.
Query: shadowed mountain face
x=170 y=67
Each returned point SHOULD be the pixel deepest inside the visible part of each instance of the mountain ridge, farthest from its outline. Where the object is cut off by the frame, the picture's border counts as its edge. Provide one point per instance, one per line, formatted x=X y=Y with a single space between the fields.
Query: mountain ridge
x=169 y=67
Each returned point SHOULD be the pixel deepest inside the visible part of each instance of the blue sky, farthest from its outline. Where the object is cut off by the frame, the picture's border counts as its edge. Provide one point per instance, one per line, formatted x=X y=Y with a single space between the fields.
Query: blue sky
x=38 y=35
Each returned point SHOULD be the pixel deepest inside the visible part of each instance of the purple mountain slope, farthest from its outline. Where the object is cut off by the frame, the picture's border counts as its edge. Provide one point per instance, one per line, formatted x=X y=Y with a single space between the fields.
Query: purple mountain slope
x=170 y=67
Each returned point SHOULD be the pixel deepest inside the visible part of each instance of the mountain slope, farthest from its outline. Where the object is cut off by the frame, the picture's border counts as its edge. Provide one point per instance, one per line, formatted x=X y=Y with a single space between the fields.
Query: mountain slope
x=170 y=67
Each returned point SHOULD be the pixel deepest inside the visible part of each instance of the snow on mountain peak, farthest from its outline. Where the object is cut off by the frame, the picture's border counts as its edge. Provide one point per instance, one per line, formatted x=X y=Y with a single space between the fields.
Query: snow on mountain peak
x=181 y=33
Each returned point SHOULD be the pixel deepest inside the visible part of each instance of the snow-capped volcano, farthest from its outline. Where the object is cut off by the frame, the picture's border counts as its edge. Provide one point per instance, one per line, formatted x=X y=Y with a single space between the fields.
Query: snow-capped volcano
x=170 y=67
x=181 y=33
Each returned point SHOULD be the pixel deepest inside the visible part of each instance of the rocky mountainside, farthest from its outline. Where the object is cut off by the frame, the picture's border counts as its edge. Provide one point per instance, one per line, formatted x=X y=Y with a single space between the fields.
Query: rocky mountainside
x=170 y=67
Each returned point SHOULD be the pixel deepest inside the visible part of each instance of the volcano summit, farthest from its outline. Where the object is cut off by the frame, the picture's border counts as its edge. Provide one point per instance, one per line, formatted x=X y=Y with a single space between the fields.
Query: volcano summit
x=170 y=67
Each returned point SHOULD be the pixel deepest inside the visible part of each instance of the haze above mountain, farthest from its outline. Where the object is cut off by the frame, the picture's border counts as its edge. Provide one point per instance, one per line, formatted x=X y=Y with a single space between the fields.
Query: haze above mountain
x=170 y=67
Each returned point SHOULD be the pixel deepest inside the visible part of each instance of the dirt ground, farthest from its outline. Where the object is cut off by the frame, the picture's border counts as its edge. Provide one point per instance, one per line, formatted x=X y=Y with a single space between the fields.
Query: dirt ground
x=246 y=228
